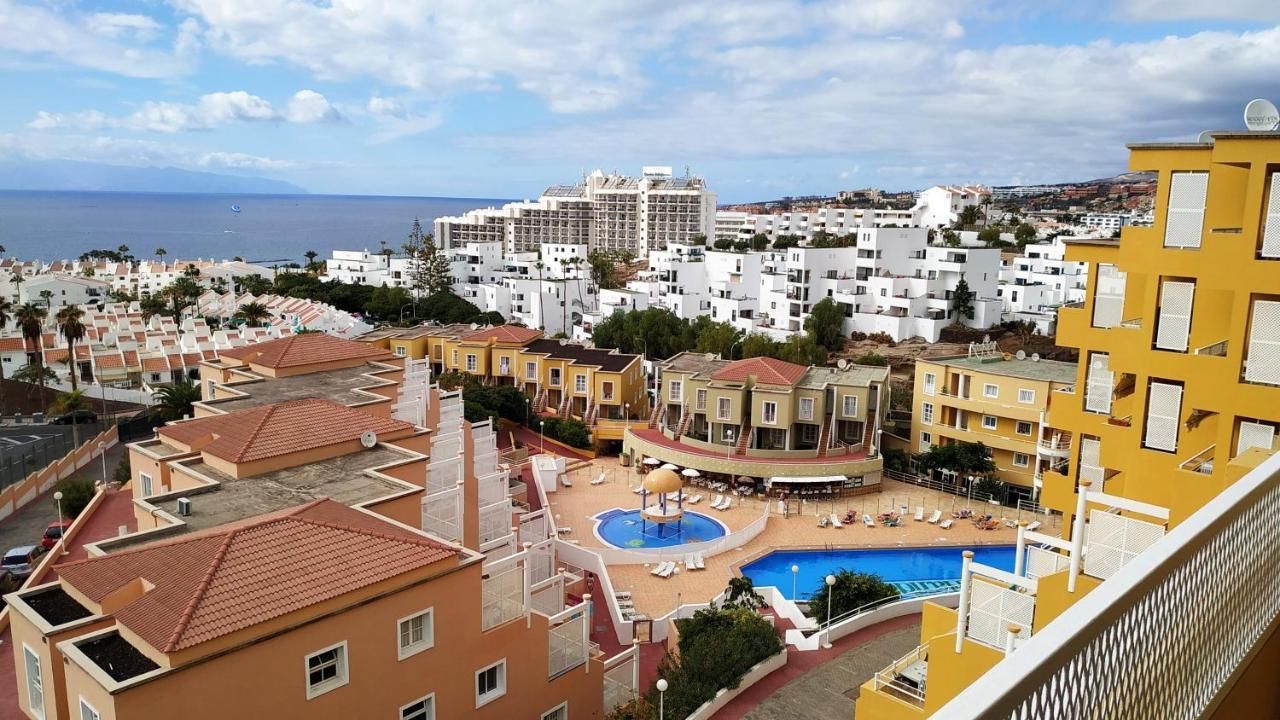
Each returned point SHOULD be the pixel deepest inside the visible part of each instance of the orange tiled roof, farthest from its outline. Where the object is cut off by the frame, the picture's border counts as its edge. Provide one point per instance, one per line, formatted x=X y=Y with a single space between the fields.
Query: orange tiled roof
x=213 y=583
x=191 y=359
x=108 y=360
x=304 y=350
x=764 y=369
x=280 y=429
x=504 y=334
x=13 y=344
x=154 y=364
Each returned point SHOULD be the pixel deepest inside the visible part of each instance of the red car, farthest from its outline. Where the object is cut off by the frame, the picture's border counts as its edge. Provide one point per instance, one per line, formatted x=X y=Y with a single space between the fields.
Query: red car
x=53 y=533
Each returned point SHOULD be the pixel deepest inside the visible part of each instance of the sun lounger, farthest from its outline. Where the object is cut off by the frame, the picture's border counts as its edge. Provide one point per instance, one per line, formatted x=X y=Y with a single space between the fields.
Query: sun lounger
x=565 y=481
x=835 y=521
x=1033 y=526
x=822 y=521
x=866 y=520
x=623 y=595
x=667 y=570
x=725 y=503
x=599 y=479
x=564 y=529
x=573 y=542
x=715 y=502
x=946 y=524
x=919 y=517
x=657 y=569
x=935 y=517
x=695 y=499
x=698 y=563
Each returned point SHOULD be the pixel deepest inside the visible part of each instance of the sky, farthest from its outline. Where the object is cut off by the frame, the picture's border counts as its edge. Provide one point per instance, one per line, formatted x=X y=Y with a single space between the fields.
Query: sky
x=764 y=98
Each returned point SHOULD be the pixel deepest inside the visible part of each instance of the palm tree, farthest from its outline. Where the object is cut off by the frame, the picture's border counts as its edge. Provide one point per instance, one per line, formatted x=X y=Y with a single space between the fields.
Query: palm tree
x=184 y=288
x=542 y=325
x=71 y=328
x=47 y=297
x=160 y=253
x=17 y=279
x=311 y=255
x=174 y=402
x=71 y=402
x=191 y=271
x=30 y=319
x=6 y=313
x=564 y=299
x=253 y=314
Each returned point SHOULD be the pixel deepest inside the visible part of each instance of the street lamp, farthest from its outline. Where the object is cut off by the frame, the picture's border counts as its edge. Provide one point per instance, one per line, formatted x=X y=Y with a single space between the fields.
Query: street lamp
x=662 y=696
x=831 y=582
x=728 y=433
x=102 y=452
x=729 y=355
x=528 y=407
x=795 y=571
x=626 y=415
x=415 y=311
x=542 y=439
x=58 y=497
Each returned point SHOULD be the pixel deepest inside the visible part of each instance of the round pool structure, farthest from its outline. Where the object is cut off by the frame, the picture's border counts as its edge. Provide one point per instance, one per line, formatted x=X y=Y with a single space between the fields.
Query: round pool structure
x=625 y=529
x=911 y=570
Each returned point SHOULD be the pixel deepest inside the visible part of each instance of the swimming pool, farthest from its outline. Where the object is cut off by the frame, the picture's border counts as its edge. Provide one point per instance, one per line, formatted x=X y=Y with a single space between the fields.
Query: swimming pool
x=622 y=528
x=910 y=569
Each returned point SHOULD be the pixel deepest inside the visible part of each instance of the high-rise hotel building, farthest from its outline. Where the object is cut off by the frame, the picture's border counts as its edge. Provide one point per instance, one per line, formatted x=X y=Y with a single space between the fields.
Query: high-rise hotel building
x=1159 y=599
x=607 y=212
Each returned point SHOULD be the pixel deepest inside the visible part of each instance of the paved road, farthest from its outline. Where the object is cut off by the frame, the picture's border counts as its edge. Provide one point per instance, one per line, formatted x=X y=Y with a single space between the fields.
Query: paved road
x=828 y=690
x=25 y=526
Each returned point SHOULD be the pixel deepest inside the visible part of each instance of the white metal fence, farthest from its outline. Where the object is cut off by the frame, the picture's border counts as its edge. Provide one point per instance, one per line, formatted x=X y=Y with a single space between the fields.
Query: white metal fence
x=1164 y=634
x=568 y=640
x=502 y=592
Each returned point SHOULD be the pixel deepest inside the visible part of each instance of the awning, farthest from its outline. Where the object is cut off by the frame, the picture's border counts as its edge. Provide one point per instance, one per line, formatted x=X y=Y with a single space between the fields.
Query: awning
x=817 y=479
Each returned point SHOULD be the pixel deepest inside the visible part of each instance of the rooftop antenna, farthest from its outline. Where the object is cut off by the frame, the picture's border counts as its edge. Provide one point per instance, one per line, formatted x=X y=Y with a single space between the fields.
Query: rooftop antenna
x=1260 y=115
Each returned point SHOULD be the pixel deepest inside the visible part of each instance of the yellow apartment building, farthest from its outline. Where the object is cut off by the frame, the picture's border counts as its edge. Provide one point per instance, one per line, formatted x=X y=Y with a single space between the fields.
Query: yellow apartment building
x=1001 y=402
x=1176 y=397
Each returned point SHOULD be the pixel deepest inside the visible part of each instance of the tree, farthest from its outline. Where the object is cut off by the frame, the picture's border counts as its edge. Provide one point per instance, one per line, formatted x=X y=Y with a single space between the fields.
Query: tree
x=191 y=271
x=989 y=236
x=782 y=242
x=851 y=591
x=961 y=458
x=71 y=402
x=387 y=302
x=33 y=374
x=30 y=319
x=253 y=314
x=1024 y=233
x=6 y=314
x=826 y=324
x=698 y=239
x=722 y=244
x=759 y=345
x=160 y=253
x=255 y=284
x=871 y=358
x=311 y=256
x=658 y=332
x=47 y=297
x=759 y=242
x=176 y=401
x=802 y=350
x=962 y=300
x=967 y=217
x=17 y=279
x=429 y=271
x=542 y=321
x=989 y=488
x=741 y=592
x=76 y=491
x=181 y=292
x=950 y=238
x=71 y=328
x=604 y=270
x=715 y=337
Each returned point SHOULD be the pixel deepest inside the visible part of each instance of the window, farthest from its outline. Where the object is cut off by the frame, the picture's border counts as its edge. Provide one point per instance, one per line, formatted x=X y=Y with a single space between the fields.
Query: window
x=769 y=412
x=1185 y=219
x=700 y=398
x=424 y=709
x=504 y=366
x=35 y=681
x=416 y=633
x=326 y=670
x=491 y=683
x=472 y=363
x=212 y=390
x=561 y=712
x=400 y=350
x=1023 y=428
x=926 y=413
x=1026 y=396
x=553 y=378
x=1108 y=296
x=87 y=712
x=926 y=441
x=580 y=383
x=454 y=355
x=930 y=383
x=1174 y=326
x=606 y=389
x=989 y=422
x=1021 y=460
x=991 y=391
x=724 y=408
x=675 y=390
x=850 y=405
x=806 y=408
x=531 y=370
x=1164 y=407
x=145 y=480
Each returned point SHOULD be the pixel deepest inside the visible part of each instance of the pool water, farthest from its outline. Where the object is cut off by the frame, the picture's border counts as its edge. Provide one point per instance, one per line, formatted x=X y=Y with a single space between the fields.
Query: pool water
x=622 y=528
x=910 y=569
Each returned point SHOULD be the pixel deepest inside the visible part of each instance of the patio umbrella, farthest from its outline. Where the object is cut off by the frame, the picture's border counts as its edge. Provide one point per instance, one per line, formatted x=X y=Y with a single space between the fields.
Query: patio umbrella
x=690 y=473
x=652 y=461
x=670 y=466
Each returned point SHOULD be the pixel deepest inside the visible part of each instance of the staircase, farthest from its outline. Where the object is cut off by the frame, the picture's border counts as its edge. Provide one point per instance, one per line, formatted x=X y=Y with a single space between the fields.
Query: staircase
x=540 y=401
x=563 y=411
x=868 y=435
x=656 y=415
x=824 y=437
x=684 y=424
x=592 y=410
x=744 y=440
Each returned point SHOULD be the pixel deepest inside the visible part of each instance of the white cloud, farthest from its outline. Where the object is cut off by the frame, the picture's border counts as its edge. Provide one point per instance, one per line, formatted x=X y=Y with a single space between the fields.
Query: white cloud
x=386 y=107
x=132 y=152
x=208 y=112
x=114 y=25
x=1267 y=10
x=410 y=124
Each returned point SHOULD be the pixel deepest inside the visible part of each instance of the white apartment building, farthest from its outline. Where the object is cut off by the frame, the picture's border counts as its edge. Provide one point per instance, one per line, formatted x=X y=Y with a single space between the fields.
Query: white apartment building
x=831 y=220
x=59 y=290
x=940 y=206
x=83 y=281
x=360 y=267
x=1106 y=223
x=606 y=212
x=1036 y=283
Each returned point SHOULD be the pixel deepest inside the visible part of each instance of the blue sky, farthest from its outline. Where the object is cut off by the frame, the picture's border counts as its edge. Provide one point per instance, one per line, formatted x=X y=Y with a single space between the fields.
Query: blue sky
x=498 y=99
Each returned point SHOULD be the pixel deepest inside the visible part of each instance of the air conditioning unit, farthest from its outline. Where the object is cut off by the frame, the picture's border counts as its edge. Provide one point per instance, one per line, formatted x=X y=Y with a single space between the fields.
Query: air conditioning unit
x=184 y=507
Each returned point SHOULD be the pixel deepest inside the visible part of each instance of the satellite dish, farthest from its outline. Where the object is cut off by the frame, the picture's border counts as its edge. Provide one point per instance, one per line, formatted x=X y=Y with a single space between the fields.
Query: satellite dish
x=1261 y=115
x=1021 y=354
x=1205 y=138
x=842 y=363
x=475 y=326
x=368 y=438
x=1035 y=357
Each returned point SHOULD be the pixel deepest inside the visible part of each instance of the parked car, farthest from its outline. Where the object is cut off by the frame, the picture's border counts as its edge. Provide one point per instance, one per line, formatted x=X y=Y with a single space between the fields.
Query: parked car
x=81 y=417
x=53 y=533
x=19 y=562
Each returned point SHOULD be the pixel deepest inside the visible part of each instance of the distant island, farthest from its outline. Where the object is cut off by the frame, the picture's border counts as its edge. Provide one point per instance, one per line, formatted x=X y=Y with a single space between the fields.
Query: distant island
x=72 y=175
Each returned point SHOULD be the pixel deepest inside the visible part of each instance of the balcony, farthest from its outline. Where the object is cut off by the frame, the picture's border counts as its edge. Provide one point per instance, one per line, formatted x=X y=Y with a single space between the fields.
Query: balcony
x=1201 y=462
x=1218 y=349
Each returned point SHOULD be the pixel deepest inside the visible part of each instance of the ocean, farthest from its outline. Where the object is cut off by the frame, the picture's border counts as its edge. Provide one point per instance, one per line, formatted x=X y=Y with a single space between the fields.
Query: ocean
x=268 y=228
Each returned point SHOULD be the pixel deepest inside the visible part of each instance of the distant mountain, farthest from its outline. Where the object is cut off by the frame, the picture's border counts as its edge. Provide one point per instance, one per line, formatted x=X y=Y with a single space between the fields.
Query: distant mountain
x=21 y=174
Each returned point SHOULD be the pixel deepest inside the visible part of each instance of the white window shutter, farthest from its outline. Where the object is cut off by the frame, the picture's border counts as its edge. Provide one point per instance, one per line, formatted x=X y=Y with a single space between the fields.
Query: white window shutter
x=1185 y=219
x=1164 y=406
x=1255 y=435
x=1098 y=384
x=1108 y=297
x=1091 y=462
x=1271 y=230
x=1174 y=328
x=1263 y=363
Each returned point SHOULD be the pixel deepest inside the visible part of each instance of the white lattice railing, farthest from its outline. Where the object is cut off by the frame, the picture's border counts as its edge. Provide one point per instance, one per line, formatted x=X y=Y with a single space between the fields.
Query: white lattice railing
x=1163 y=636
x=567 y=640
x=621 y=678
x=503 y=591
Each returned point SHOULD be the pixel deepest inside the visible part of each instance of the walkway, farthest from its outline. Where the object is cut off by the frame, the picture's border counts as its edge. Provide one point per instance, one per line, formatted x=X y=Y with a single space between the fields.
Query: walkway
x=655 y=437
x=824 y=683
x=533 y=441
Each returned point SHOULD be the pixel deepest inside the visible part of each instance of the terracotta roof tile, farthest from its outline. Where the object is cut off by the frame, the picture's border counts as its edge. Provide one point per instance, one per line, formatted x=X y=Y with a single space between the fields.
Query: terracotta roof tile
x=130 y=358
x=763 y=369
x=108 y=360
x=191 y=359
x=504 y=334
x=12 y=344
x=280 y=429
x=305 y=350
x=155 y=364
x=231 y=578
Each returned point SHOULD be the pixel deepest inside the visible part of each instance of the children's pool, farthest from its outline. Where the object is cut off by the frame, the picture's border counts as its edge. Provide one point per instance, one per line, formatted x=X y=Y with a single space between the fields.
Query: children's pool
x=911 y=569
x=624 y=529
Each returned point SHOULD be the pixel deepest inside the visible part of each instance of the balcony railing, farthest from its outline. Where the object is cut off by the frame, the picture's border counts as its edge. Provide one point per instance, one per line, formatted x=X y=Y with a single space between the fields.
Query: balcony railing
x=1201 y=462
x=904 y=679
x=1165 y=635
x=1218 y=349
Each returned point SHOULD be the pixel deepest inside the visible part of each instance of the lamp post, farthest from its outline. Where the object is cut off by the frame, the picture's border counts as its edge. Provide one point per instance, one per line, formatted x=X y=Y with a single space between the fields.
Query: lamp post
x=542 y=439
x=831 y=581
x=102 y=452
x=662 y=696
x=626 y=415
x=58 y=497
x=528 y=407
x=728 y=433
x=415 y=311
x=795 y=572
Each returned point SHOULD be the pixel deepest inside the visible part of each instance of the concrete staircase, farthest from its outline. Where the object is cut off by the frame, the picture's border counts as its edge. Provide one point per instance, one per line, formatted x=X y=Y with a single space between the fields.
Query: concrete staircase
x=656 y=416
x=744 y=440
x=540 y=401
x=684 y=424
x=592 y=410
x=824 y=438
x=563 y=411
x=868 y=435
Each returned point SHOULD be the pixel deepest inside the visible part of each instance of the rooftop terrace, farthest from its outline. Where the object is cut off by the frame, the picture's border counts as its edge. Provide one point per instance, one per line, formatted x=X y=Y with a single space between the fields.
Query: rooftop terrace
x=338 y=385
x=1050 y=370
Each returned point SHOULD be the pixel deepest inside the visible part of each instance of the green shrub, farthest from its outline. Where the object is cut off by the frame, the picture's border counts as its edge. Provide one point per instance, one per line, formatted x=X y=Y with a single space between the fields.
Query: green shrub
x=123 y=471
x=895 y=459
x=851 y=591
x=872 y=359
x=857 y=336
x=882 y=337
x=76 y=494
